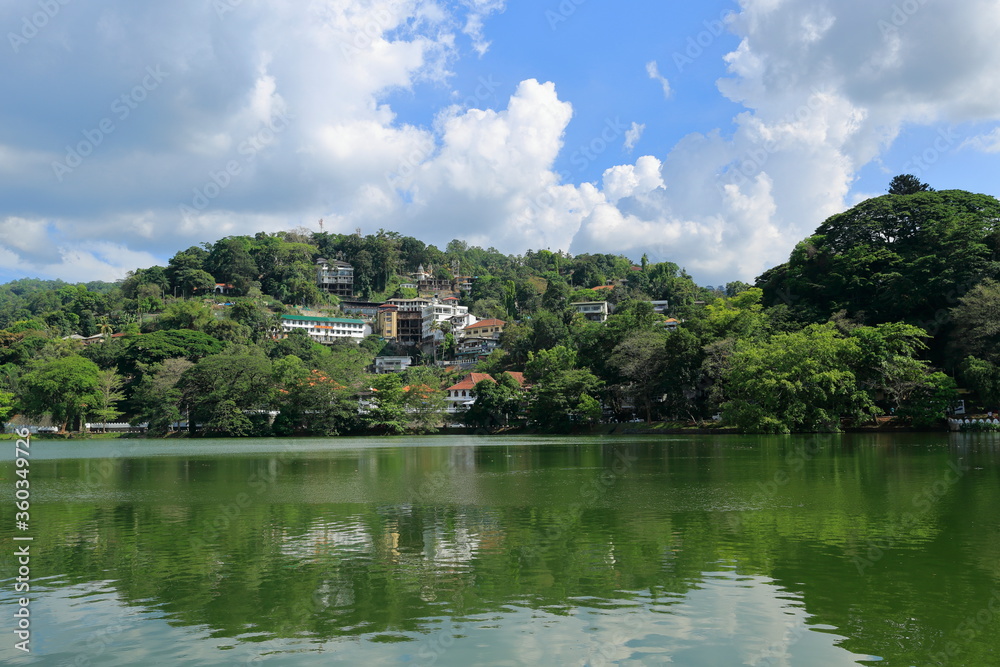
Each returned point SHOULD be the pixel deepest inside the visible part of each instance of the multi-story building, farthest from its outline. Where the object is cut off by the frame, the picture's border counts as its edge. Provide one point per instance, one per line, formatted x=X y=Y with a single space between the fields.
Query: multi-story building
x=367 y=309
x=410 y=304
x=661 y=307
x=335 y=277
x=392 y=364
x=595 y=311
x=462 y=394
x=445 y=310
x=491 y=328
x=386 y=321
x=325 y=330
x=471 y=348
x=409 y=327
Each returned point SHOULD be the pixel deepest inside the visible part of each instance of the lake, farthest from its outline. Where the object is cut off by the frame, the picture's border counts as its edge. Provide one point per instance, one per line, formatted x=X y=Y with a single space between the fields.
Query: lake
x=689 y=550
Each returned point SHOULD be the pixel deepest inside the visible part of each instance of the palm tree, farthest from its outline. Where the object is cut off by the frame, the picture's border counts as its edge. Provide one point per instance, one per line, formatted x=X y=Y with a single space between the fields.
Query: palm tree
x=443 y=327
x=105 y=327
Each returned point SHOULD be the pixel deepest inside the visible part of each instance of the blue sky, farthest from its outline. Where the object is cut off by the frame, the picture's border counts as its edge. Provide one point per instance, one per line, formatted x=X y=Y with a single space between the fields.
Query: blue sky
x=714 y=134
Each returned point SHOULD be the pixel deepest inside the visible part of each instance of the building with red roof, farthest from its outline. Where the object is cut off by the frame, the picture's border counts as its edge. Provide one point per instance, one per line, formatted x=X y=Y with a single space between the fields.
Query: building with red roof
x=491 y=328
x=461 y=394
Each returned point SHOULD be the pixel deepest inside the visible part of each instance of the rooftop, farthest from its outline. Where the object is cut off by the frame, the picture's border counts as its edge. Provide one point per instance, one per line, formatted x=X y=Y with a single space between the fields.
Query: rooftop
x=324 y=320
x=470 y=381
x=487 y=323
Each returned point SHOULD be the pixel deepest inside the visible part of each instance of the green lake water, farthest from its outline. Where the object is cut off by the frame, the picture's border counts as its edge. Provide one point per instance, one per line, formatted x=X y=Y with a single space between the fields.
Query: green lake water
x=826 y=551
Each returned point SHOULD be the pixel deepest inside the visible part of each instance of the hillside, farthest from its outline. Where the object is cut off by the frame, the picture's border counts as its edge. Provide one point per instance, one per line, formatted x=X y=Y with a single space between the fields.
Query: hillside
x=880 y=311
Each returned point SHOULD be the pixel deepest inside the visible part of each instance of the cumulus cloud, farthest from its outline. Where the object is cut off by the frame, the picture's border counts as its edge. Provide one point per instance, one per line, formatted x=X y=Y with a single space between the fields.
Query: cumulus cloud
x=827 y=86
x=179 y=124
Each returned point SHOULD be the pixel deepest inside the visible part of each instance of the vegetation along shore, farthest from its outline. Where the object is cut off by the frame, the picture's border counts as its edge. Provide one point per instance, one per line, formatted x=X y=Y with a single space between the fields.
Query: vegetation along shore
x=888 y=316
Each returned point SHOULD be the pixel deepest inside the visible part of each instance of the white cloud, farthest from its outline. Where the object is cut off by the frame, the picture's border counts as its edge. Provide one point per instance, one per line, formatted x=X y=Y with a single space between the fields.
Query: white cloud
x=633 y=134
x=826 y=91
x=478 y=11
x=987 y=143
x=654 y=73
x=825 y=87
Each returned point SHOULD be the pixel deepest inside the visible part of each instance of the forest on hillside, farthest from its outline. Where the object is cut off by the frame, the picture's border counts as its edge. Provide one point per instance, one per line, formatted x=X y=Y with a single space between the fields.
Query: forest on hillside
x=889 y=308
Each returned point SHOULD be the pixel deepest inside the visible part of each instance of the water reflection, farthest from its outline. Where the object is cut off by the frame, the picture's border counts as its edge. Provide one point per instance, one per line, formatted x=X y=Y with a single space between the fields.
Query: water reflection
x=544 y=552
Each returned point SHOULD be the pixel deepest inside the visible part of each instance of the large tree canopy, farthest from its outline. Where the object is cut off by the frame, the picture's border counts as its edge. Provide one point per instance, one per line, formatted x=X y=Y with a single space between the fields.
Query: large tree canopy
x=892 y=258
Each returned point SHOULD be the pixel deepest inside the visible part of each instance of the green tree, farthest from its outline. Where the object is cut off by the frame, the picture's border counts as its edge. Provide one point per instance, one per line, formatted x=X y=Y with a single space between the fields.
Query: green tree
x=799 y=381
x=312 y=402
x=927 y=404
x=193 y=315
x=907 y=184
x=147 y=350
x=640 y=361
x=564 y=397
x=65 y=388
x=158 y=399
x=887 y=360
x=230 y=260
x=977 y=322
x=684 y=386
x=424 y=401
x=6 y=405
x=546 y=363
x=387 y=410
x=983 y=377
x=108 y=394
x=222 y=385
x=496 y=404
x=562 y=393
x=891 y=259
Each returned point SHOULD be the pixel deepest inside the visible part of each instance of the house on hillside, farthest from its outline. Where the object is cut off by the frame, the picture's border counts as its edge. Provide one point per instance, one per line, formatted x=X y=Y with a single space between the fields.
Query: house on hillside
x=595 y=311
x=335 y=277
x=491 y=328
x=325 y=330
x=392 y=364
x=462 y=394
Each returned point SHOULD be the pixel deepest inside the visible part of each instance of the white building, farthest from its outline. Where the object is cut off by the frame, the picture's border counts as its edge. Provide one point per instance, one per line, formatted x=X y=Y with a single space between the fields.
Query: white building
x=595 y=311
x=446 y=310
x=325 y=330
x=392 y=364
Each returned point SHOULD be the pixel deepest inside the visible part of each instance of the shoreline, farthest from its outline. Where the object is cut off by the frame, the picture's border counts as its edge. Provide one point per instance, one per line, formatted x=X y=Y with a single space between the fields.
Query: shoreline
x=623 y=429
